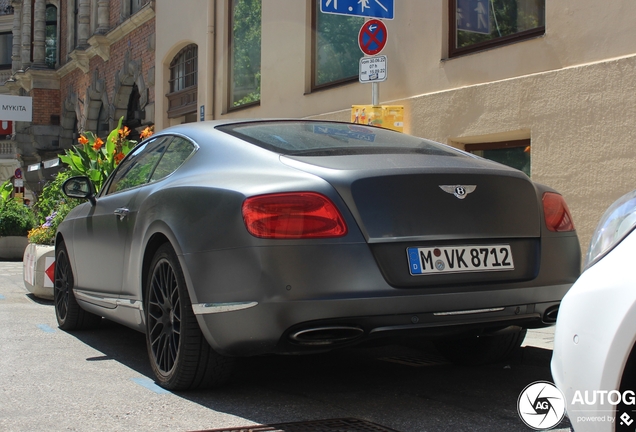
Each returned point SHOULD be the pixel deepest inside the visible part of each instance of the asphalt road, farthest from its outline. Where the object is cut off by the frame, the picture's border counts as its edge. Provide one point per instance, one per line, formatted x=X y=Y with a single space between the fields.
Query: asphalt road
x=100 y=380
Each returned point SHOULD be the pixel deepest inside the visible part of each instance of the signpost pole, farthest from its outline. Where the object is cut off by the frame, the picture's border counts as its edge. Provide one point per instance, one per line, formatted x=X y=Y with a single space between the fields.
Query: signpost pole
x=375 y=94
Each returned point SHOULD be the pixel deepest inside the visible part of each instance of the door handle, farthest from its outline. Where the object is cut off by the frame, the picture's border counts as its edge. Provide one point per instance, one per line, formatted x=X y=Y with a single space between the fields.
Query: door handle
x=121 y=212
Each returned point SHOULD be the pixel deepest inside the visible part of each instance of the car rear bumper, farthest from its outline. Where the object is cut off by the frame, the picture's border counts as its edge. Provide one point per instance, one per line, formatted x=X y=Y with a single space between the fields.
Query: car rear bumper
x=257 y=300
x=274 y=327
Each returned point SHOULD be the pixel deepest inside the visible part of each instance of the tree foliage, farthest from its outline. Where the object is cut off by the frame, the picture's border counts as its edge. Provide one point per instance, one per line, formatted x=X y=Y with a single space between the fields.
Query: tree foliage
x=246 y=51
x=337 y=51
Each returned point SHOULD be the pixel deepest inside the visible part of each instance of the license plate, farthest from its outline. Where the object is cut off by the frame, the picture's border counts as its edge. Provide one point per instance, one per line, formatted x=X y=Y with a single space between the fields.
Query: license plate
x=459 y=259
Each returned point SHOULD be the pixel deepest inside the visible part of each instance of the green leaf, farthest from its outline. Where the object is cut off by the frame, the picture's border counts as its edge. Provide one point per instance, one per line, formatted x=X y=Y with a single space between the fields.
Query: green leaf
x=6 y=189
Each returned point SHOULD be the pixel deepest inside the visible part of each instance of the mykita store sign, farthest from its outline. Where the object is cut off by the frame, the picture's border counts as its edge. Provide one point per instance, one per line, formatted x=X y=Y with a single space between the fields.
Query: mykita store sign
x=16 y=108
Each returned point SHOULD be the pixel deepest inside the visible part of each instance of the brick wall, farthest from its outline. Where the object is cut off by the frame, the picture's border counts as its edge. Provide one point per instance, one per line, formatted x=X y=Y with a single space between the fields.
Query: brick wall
x=46 y=102
x=115 y=12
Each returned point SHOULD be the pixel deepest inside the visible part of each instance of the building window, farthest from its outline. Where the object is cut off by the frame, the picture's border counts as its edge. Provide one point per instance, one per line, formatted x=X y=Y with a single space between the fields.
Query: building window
x=182 y=98
x=245 y=53
x=515 y=154
x=5 y=7
x=130 y=7
x=135 y=6
x=336 y=55
x=479 y=24
x=6 y=46
x=51 y=36
x=183 y=69
x=75 y=22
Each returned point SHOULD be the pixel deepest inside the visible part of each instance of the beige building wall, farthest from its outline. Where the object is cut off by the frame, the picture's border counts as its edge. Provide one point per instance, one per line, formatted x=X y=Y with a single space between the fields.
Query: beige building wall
x=571 y=91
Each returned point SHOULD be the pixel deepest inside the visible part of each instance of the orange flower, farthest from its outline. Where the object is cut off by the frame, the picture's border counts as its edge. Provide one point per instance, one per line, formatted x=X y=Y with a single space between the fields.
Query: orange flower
x=98 y=144
x=118 y=158
x=83 y=140
x=147 y=132
x=124 y=132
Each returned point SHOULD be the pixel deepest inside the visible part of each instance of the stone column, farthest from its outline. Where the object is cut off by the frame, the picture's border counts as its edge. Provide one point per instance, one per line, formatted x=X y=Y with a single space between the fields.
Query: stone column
x=39 y=34
x=84 y=23
x=16 y=53
x=26 y=34
x=103 y=16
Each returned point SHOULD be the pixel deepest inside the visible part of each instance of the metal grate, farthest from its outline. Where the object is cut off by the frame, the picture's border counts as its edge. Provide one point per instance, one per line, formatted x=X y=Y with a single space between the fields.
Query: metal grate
x=331 y=425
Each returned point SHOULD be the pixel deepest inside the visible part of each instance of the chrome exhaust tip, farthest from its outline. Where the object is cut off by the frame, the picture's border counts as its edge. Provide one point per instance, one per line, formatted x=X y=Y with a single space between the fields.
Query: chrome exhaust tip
x=326 y=335
x=550 y=315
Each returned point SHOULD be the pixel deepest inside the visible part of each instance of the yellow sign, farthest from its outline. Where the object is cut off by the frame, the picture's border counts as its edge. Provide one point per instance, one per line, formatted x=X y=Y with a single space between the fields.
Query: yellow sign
x=386 y=116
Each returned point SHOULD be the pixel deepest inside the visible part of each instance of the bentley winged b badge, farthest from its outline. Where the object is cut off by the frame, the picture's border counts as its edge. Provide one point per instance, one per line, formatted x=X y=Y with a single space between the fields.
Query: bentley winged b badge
x=460 y=191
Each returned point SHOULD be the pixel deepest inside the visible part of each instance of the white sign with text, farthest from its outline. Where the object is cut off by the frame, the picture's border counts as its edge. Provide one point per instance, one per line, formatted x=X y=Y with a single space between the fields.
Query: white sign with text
x=372 y=69
x=16 y=108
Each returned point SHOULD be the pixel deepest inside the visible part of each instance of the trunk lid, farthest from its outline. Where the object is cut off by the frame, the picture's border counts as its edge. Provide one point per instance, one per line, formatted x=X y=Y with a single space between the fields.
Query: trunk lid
x=413 y=197
x=410 y=202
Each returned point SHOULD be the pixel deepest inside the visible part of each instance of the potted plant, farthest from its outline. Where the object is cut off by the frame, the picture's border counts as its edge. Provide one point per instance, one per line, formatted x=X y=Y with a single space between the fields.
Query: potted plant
x=39 y=255
x=16 y=220
x=93 y=158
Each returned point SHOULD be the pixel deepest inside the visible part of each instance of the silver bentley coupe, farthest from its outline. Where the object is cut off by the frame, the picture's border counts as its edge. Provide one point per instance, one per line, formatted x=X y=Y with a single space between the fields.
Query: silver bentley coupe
x=241 y=238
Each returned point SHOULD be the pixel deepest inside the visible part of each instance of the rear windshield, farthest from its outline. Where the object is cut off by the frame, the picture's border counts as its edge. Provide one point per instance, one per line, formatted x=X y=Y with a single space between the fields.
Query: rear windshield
x=302 y=138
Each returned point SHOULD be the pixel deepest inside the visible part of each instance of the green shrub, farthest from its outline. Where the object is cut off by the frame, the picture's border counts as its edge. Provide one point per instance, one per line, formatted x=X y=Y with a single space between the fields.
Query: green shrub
x=16 y=219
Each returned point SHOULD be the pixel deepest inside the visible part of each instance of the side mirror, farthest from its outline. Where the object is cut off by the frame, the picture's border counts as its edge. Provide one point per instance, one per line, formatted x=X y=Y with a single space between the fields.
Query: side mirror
x=79 y=187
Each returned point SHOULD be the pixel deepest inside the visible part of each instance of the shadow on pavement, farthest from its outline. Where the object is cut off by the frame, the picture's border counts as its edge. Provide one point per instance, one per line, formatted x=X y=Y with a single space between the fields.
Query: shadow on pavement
x=364 y=383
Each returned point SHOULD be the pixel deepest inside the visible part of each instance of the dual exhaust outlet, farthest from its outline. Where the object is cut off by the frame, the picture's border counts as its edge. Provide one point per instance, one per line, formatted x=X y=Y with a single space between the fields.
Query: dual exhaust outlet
x=321 y=336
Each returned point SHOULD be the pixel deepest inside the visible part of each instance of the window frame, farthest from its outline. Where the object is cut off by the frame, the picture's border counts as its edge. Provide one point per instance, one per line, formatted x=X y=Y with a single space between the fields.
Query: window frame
x=453 y=51
x=4 y=66
x=57 y=33
x=183 y=101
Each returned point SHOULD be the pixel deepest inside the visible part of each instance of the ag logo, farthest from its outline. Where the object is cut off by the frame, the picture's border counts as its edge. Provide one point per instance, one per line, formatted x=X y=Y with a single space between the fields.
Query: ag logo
x=541 y=405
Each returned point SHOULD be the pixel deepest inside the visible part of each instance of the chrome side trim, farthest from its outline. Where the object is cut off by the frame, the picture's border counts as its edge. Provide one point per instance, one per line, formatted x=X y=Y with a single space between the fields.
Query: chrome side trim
x=468 y=312
x=210 y=308
x=107 y=302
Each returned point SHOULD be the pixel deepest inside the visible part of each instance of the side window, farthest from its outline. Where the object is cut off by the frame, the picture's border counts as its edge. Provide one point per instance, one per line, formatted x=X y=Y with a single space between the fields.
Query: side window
x=138 y=167
x=173 y=158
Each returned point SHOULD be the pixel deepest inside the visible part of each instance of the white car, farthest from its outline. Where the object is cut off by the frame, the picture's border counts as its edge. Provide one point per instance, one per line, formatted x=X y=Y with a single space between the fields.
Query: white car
x=594 y=361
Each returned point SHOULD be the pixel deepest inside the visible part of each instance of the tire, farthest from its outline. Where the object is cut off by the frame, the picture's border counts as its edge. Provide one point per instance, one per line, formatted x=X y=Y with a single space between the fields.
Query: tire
x=180 y=356
x=70 y=316
x=483 y=349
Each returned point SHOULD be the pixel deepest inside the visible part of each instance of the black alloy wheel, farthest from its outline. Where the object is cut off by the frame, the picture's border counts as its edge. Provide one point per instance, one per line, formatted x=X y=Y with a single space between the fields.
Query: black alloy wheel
x=180 y=356
x=70 y=316
x=164 y=316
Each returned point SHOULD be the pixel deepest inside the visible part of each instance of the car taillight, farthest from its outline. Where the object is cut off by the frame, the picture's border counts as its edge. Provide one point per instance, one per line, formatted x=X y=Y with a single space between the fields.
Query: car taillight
x=557 y=214
x=293 y=215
